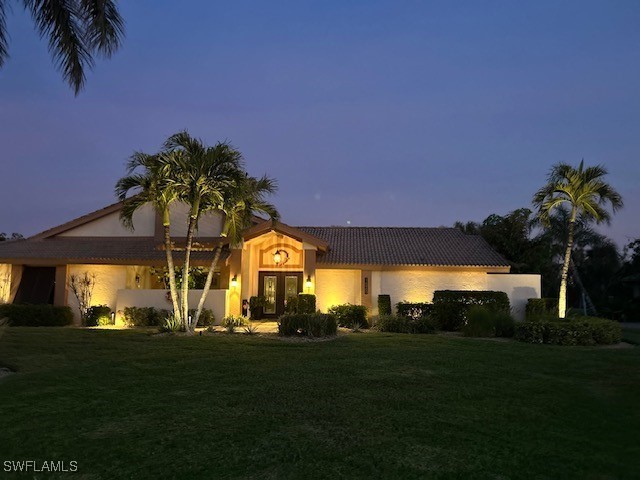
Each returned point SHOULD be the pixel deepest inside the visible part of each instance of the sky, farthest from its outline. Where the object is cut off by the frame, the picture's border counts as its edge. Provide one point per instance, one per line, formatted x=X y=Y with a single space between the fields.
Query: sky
x=368 y=113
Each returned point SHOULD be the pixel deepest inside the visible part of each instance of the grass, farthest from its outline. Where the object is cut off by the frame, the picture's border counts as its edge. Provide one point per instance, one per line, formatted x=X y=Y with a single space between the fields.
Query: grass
x=125 y=404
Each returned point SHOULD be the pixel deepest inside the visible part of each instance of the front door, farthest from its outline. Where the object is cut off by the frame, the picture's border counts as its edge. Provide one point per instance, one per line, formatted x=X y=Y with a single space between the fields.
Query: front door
x=276 y=288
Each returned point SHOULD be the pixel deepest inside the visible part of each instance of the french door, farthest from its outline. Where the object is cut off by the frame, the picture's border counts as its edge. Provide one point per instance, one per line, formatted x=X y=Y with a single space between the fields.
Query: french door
x=276 y=288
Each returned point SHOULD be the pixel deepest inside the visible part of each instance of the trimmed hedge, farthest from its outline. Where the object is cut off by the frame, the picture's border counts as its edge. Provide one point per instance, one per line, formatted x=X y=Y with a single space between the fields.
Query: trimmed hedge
x=310 y=325
x=450 y=306
x=414 y=309
x=401 y=324
x=384 y=304
x=575 y=331
x=36 y=315
x=540 y=307
x=306 y=303
x=348 y=315
x=99 y=315
x=482 y=322
x=256 y=306
x=153 y=317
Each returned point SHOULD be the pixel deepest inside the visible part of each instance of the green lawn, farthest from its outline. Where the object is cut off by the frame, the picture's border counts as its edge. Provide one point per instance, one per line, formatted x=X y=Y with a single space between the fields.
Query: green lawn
x=370 y=405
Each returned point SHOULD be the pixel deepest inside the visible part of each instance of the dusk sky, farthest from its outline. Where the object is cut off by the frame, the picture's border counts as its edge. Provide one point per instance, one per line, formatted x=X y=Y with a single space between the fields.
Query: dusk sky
x=399 y=113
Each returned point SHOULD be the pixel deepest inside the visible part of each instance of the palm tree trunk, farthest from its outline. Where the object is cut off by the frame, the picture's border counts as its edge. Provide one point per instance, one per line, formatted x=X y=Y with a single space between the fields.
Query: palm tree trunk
x=185 y=276
x=207 y=283
x=172 y=273
x=562 y=298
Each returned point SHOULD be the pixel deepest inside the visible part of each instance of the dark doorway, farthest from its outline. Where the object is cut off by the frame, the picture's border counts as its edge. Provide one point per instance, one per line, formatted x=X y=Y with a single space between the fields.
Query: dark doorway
x=36 y=286
x=276 y=288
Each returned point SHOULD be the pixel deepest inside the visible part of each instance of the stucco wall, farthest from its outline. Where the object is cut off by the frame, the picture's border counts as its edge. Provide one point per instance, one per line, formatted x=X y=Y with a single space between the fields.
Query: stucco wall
x=111 y=226
x=5 y=282
x=217 y=301
x=519 y=288
x=418 y=286
x=109 y=279
x=336 y=286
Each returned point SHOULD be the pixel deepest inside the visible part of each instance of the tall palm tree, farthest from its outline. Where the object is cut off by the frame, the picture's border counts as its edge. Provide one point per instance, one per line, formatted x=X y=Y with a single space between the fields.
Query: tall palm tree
x=586 y=195
x=148 y=178
x=201 y=175
x=77 y=30
x=242 y=200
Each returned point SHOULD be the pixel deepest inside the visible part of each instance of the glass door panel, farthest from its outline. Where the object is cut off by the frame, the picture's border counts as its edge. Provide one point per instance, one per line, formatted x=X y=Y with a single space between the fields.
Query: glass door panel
x=270 y=288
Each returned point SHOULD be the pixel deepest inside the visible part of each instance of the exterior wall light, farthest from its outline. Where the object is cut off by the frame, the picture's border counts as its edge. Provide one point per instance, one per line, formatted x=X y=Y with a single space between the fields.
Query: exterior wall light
x=280 y=257
x=307 y=283
x=234 y=281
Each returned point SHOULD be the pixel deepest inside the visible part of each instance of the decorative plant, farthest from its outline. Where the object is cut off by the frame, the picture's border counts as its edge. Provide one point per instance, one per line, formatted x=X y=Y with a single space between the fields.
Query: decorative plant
x=82 y=287
x=5 y=287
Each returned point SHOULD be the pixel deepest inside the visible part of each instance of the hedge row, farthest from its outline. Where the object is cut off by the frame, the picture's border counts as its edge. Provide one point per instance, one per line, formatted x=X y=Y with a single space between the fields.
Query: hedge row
x=402 y=324
x=482 y=322
x=307 y=324
x=36 y=315
x=154 y=317
x=575 y=331
x=537 y=307
x=450 y=306
x=413 y=309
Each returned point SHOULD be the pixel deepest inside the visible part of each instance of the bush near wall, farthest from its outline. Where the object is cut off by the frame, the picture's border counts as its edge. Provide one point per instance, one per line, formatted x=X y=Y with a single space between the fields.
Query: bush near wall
x=482 y=322
x=574 y=331
x=153 y=317
x=310 y=325
x=414 y=309
x=401 y=324
x=348 y=315
x=36 y=315
x=450 y=306
x=99 y=315
x=256 y=306
x=384 y=304
x=306 y=303
x=541 y=307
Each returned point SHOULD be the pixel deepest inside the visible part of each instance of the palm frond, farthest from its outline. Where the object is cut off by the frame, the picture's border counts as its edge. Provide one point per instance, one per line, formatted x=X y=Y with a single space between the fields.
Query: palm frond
x=104 y=27
x=61 y=22
x=4 y=48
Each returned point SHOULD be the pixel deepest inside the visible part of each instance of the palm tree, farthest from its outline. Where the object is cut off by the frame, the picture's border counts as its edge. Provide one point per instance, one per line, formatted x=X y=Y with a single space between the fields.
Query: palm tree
x=586 y=195
x=148 y=177
x=201 y=176
x=242 y=201
x=77 y=31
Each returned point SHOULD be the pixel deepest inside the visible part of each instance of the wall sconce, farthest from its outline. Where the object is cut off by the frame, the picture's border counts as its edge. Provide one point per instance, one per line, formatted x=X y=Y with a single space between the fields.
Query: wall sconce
x=307 y=283
x=280 y=257
x=113 y=318
x=234 y=281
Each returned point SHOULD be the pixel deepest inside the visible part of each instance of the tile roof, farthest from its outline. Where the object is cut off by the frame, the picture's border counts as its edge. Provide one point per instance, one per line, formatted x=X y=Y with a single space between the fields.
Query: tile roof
x=404 y=246
x=89 y=249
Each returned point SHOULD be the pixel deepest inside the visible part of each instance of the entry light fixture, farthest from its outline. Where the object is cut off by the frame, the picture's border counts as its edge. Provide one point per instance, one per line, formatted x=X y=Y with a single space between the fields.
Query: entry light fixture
x=307 y=283
x=280 y=257
x=234 y=281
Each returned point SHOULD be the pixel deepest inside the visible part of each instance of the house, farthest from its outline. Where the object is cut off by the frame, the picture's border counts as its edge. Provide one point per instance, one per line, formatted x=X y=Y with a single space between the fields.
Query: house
x=337 y=264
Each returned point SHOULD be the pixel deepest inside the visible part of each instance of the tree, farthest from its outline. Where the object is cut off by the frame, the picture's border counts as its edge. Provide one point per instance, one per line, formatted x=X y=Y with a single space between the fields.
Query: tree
x=149 y=178
x=586 y=195
x=82 y=287
x=77 y=30
x=242 y=201
x=201 y=177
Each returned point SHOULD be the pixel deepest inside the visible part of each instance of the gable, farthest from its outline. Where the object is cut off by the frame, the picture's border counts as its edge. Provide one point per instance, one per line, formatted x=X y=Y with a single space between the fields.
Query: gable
x=110 y=225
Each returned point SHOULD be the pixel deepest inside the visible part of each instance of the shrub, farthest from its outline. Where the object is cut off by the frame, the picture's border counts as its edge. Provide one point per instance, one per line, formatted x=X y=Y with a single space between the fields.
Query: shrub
x=575 y=331
x=541 y=307
x=480 y=323
x=172 y=325
x=384 y=305
x=256 y=305
x=505 y=324
x=232 y=322
x=400 y=324
x=206 y=317
x=250 y=329
x=99 y=315
x=348 y=315
x=36 y=315
x=310 y=325
x=144 y=317
x=413 y=309
x=450 y=306
x=306 y=303
x=291 y=305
